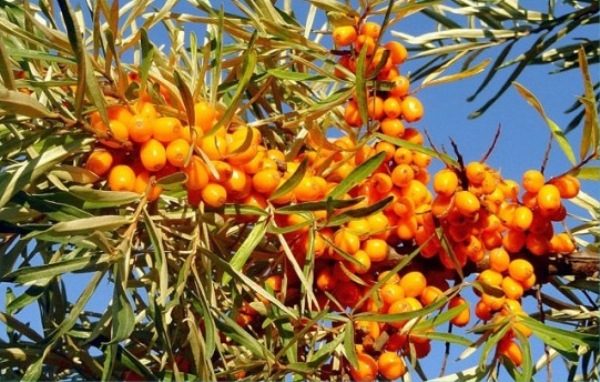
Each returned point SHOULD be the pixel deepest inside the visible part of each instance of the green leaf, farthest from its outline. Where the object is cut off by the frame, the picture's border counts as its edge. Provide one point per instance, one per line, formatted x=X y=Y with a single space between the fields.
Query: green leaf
x=397 y=317
x=86 y=225
x=147 y=56
x=290 y=184
x=230 y=328
x=42 y=273
x=293 y=76
x=422 y=149
x=102 y=199
x=349 y=346
x=557 y=133
x=357 y=175
x=589 y=173
x=186 y=96
x=361 y=85
x=240 y=257
x=590 y=136
x=329 y=204
x=359 y=212
x=6 y=72
x=428 y=82
x=446 y=337
x=15 y=102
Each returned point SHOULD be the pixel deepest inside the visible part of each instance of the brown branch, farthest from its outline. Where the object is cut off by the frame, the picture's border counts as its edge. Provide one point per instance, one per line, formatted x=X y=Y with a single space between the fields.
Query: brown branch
x=492 y=145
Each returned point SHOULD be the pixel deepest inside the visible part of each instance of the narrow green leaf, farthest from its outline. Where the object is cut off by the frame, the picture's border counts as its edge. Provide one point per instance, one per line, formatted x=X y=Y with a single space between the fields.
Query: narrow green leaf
x=475 y=70
x=293 y=76
x=292 y=182
x=147 y=57
x=349 y=346
x=361 y=85
x=17 y=103
x=123 y=320
x=87 y=225
x=557 y=133
x=329 y=204
x=6 y=72
x=422 y=149
x=590 y=136
x=359 y=212
x=186 y=96
x=589 y=173
x=102 y=199
x=240 y=257
x=357 y=175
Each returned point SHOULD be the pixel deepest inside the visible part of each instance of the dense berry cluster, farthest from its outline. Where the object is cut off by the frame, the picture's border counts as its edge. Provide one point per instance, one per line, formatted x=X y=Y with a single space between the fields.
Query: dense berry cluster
x=472 y=216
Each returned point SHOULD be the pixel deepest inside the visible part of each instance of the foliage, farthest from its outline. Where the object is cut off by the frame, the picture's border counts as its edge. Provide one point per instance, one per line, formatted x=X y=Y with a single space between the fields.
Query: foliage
x=179 y=275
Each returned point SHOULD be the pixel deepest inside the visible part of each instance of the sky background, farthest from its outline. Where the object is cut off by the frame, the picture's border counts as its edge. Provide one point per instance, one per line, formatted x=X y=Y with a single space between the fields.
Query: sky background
x=521 y=145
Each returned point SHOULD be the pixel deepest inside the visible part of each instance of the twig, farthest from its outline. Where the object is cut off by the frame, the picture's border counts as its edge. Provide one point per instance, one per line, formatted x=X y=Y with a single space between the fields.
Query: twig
x=577 y=166
x=538 y=296
x=430 y=141
x=446 y=353
x=547 y=154
x=492 y=145
x=461 y=163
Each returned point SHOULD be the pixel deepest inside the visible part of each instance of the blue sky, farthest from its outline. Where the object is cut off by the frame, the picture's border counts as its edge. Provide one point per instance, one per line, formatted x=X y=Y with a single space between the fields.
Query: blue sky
x=521 y=145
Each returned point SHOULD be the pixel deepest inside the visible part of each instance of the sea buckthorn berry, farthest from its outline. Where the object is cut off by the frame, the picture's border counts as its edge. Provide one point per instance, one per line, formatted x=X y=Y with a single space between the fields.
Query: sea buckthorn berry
x=366 y=370
x=476 y=172
x=412 y=109
x=568 y=186
x=362 y=264
x=445 y=182
x=166 y=129
x=482 y=311
x=364 y=40
x=378 y=222
x=400 y=306
x=537 y=244
x=520 y=269
x=383 y=183
x=177 y=152
x=548 y=198
x=403 y=156
x=413 y=283
x=375 y=108
x=401 y=87
x=377 y=249
x=376 y=61
x=371 y=29
x=490 y=277
x=242 y=145
x=121 y=178
x=359 y=227
x=214 y=195
x=529 y=283
x=430 y=294
x=391 y=366
x=325 y=280
x=344 y=35
x=205 y=115
x=141 y=184
x=463 y=317
x=308 y=190
x=99 y=162
x=393 y=279
x=522 y=218
x=352 y=115
x=421 y=160
x=562 y=243
x=140 y=129
x=533 y=180
x=145 y=110
x=239 y=184
x=346 y=241
x=214 y=146
x=119 y=113
x=266 y=181
x=119 y=133
x=274 y=282
x=499 y=259
x=392 y=107
x=390 y=293
x=402 y=175
x=514 y=240
x=495 y=303
x=392 y=127
x=466 y=203
x=197 y=174
x=512 y=288
x=388 y=148
x=508 y=348
x=153 y=155
x=417 y=193
x=398 y=52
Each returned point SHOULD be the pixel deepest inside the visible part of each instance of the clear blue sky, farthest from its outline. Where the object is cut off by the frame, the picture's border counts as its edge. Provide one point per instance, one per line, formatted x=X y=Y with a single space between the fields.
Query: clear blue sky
x=521 y=145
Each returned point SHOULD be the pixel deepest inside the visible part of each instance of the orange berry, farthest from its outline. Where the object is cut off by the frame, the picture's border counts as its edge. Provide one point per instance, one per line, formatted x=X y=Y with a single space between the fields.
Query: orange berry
x=463 y=317
x=140 y=129
x=205 y=115
x=402 y=175
x=529 y=283
x=512 y=288
x=145 y=110
x=514 y=240
x=197 y=174
x=520 y=269
x=153 y=155
x=392 y=107
x=495 y=303
x=214 y=195
x=141 y=184
x=417 y=193
x=266 y=181
x=402 y=305
x=177 y=152
x=346 y=241
x=508 y=348
x=364 y=40
x=375 y=108
x=533 y=180
x=499 y=259
x=548 y=198
x=562 y=243
x=537 y=244
x=121 y=178
x=274 y=282
x=166 y=129
x=243 y=145
x=466 y=203
x=378 y=222
x=413 y=283
x=392 y=127
x=490 y=277
x=390 y=293
x=430 y=294
x=308 y=189
x=344 y=35
x=391 y=366
x=366 y=370
x=364 y=263
x=483 y=311
x=476 y=172
x=371 y=29
x=445 y=182
x=99 y=162
x=325 y=280
x=119 y=132
x=421 y=160
x=522 y=218
x=401 y=87
x=398 y=52
x=377 y=249
x=352 y=115
x=403 y=156
x=412 y=109
x=568 y=186
x=214 y=146
x=239 y=184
